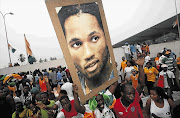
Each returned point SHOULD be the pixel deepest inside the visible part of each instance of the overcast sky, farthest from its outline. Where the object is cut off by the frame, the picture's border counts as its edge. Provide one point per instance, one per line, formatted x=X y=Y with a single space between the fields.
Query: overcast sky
x=124 y=18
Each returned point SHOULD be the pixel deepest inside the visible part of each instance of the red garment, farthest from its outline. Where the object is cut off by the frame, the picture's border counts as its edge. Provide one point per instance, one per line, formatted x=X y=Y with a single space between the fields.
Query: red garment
x=72 y=113
x=42 y=84
x=133 y=111
x=161 y=81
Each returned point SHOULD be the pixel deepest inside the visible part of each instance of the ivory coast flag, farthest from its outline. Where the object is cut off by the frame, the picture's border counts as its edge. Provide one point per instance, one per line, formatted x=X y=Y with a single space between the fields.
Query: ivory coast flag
x=28 y=49
x=13 y=50
x=175 y=23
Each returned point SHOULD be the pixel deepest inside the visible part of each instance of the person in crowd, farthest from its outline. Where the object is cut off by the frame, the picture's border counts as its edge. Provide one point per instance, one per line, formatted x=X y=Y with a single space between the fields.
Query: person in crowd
x=151 y=74
x=147 y=49
x=168 y=77
x=64 y=75
x=127 y=51
x=127 y=106
x=42 y=83
x=164 y=51
x=59 y=78
x=157 y=64
x=159 y=105
x=127 y=70
x=98 y=106
x=172 y=55
x=123 y=64
x=134 y=78
x=169 y=62
x=5 y=107
x=83 y=30
x=9 y=98
x=68 y=87
x=26 y=95
x=46 y=73
x=133 y=50
x=69 y=109
x=36 y=80
x=46 y=105
x=143 y=48
x=21 y=85
x=171 y=67
x=53 y=78
x=138 y=47
x=57 y=106
x=19 y=111
x=29 y=78
x=147 y=58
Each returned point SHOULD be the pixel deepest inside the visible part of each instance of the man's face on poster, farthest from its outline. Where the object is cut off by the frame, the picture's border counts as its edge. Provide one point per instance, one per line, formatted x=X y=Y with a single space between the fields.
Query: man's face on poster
x=86 y=43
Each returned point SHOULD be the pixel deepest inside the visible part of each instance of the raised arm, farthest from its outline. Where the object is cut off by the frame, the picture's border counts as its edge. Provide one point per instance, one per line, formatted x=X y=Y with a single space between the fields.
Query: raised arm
x=113 y=87
x=141 y=77
x=79 y=108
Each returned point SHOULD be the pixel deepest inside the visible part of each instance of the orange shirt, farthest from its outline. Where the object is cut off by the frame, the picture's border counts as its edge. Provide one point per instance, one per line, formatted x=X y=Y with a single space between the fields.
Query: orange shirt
x=151 y=73
x=178 y=60
x=42 y=84
x=123 y=64
x=134 y=80
x=147 y=48
x=157 y=62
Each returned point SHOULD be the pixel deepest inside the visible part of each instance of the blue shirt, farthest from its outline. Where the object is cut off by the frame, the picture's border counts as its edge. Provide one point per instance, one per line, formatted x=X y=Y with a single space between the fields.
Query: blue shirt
x=133 y=48
x=59 y=77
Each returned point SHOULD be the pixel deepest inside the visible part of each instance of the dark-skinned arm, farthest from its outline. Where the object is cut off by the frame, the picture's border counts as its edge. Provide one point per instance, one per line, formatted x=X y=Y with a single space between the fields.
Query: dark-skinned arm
x=141 y=77
x=113 y=87
x=79 y=108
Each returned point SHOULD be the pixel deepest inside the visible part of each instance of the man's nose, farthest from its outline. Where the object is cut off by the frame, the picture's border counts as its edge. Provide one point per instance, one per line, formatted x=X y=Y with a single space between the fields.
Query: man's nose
x=88 y=51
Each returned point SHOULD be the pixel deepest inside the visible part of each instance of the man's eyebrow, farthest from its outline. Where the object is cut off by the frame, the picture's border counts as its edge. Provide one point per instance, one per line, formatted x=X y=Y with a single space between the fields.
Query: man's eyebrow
x=92 y=33
x=73 y=40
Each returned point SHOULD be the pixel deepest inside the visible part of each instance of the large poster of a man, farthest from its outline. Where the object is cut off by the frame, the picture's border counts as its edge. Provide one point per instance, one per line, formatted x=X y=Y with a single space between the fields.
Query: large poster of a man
x=88 y=46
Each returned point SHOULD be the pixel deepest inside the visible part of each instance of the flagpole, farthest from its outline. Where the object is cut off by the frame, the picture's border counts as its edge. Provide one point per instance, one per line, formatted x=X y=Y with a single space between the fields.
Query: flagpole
x=10 y=64
x=177 y=19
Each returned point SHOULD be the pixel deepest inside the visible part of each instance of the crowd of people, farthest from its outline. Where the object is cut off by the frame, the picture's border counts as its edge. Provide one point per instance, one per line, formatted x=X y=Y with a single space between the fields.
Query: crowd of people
x=52 y=93
x=162 y=76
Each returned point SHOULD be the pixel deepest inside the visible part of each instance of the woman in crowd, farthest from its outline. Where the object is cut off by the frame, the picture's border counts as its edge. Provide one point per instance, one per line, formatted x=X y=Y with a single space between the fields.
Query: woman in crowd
x=159 y=105
x=151 y=73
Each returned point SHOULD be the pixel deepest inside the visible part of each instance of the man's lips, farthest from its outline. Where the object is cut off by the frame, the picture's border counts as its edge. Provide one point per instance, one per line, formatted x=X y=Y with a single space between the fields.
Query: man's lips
x=91 y=65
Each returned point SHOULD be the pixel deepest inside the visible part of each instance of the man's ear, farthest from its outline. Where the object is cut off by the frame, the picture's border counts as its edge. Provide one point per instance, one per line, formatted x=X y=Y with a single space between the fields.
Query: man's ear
x=122 y=93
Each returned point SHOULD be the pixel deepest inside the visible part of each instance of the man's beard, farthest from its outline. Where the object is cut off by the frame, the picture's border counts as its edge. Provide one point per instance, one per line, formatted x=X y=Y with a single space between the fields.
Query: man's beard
x=105 y=57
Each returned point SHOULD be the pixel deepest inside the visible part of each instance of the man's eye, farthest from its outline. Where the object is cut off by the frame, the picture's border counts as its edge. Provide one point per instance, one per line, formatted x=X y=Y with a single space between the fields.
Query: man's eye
x=77 y=44
x=94 y=38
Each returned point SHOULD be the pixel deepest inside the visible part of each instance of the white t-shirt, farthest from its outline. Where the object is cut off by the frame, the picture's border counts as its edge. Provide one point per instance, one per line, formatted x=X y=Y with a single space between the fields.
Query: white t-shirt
x=126 y=49
x=58 y=103
x=127 y=70
x=170 y=75
x=68 y=87
x=139 y=48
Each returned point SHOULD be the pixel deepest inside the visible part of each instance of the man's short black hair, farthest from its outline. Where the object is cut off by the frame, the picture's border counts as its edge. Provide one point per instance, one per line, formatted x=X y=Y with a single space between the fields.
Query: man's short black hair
x=90 y=8
x=64 y=92
x=64 y=97
x=123 y=88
